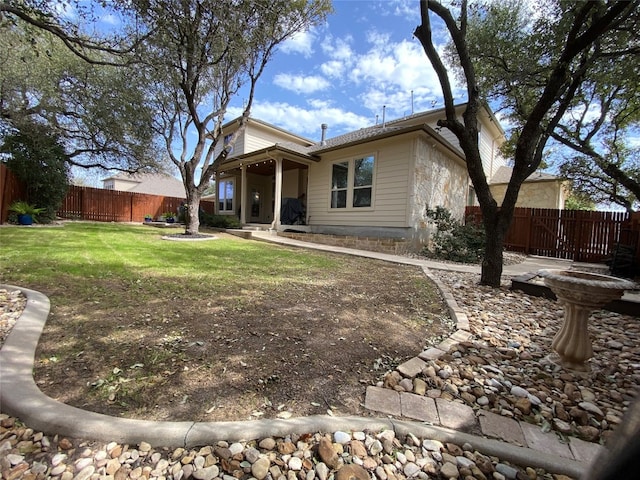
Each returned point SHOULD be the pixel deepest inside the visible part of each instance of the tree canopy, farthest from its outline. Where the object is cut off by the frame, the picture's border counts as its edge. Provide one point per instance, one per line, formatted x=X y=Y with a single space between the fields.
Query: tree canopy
x=72 y=22
x=532 y=63
x=99 y=115
x=197 y=57
x=599 y=109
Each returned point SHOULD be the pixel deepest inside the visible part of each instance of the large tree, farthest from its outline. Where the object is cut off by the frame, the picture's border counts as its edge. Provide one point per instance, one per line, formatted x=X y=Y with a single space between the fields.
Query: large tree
x=598 y=157
x=73 y=22
x=200 y=54
x=540 y=59
x=100 y=116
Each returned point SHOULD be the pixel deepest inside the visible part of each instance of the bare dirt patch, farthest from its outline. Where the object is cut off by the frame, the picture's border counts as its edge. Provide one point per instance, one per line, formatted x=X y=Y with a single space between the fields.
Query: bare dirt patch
x=149 y=350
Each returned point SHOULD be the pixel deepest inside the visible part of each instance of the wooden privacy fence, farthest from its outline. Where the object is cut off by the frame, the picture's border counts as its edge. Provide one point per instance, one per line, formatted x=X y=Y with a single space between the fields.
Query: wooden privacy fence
x=96 y=204
x=579 y=235
x=85 y=203
x=10 y=190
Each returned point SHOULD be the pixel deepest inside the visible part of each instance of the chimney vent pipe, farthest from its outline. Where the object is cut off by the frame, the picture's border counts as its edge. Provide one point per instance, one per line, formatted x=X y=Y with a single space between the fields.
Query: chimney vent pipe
x=324 y=127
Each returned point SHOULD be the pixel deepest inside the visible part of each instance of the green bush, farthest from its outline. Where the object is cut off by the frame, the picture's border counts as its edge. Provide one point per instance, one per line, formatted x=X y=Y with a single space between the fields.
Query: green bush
x=218 y=221
x=453 y=241
x=35 y=155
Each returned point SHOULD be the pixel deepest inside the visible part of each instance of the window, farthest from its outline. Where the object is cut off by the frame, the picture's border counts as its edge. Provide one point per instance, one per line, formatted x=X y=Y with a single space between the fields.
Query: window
x=339 y=178
x=225 y=195
x=362 y=182
x=352 y=183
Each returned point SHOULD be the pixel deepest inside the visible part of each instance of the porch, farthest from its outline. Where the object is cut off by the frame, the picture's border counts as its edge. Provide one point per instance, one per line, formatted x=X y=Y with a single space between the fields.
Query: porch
x=265 y=190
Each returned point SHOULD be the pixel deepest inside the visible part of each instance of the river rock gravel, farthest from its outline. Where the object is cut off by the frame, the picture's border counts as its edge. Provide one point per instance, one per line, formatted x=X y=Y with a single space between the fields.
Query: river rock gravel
x=503 y=368
x=29 y=455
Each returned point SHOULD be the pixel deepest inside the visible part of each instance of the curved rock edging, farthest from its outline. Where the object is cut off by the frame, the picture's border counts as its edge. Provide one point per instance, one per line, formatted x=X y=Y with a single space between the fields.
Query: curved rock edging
x=21 y=397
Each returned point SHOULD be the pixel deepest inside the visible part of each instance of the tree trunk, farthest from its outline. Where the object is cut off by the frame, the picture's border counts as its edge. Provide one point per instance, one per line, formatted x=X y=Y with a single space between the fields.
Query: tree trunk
x=192 y=219
x=492 y=261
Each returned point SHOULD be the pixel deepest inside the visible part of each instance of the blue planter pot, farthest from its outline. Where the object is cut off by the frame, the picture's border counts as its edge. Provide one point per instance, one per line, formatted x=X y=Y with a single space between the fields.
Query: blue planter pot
x=25 y=219
x=170 y=220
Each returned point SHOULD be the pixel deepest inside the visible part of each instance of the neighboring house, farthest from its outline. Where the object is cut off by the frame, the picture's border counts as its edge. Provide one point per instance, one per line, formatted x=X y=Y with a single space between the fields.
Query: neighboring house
x=373 y=182
x=149 y=183
x=540 y=190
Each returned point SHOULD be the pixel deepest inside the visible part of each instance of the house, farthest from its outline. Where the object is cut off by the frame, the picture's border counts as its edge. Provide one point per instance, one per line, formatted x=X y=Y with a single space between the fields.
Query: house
x=149 y=183
x=372 y=183
x=540 y=190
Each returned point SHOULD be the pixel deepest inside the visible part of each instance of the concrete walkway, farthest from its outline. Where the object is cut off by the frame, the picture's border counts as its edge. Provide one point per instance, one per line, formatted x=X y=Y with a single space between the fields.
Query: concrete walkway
x=531 y=264
x=513 y=441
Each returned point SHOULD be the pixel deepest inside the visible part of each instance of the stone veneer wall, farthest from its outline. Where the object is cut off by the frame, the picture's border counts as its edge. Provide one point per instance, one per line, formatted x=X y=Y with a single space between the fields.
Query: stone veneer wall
x=534 y=194
x=394 y=246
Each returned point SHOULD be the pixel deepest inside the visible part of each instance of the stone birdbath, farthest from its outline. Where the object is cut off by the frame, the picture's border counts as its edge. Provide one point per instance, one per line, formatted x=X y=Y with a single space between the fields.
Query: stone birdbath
x=580 y=293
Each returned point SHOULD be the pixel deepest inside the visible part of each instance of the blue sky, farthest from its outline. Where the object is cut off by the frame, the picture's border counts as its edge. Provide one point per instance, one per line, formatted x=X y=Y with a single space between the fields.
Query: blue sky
x=342 y=73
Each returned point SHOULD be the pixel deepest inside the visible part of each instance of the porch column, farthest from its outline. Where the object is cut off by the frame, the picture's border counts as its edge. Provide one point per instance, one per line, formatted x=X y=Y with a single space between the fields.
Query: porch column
x=216 y=207
x=243 y=194
x=278 y=194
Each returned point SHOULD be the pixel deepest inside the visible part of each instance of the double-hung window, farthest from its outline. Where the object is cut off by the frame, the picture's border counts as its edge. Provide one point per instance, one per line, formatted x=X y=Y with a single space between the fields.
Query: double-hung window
x=225 y=195
x=352 y=183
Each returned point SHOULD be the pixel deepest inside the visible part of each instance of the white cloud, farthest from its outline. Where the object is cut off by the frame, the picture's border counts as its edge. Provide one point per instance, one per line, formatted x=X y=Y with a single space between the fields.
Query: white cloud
x=300 y=83
x=66 y=10
x=301 y=43
x=333 y=68
x=385 y=73
x=340 y=49
x=391 y=72
x=341 y=56
x=634 y=142
x=407 y=9
x=378 y=39
x=110 y=19
x=307 y=121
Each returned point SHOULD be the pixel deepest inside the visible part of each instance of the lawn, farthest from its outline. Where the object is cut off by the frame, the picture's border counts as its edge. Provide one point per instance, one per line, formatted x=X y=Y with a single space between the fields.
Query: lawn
x=228 y=329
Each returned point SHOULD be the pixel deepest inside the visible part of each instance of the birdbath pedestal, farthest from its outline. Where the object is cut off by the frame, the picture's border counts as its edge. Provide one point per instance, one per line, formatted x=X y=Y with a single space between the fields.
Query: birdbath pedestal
x=580 y=293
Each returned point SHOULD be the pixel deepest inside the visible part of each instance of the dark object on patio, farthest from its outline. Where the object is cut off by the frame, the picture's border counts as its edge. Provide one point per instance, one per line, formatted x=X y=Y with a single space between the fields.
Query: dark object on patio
x=622 y=262
x=292 y=212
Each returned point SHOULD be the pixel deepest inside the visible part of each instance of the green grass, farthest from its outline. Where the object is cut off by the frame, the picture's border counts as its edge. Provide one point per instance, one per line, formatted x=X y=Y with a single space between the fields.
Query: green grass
x=81 y=253
x=137 y=321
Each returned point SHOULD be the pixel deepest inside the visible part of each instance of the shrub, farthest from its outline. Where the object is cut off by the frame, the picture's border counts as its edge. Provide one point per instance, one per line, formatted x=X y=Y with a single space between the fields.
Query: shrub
x=218 y=221
x=37 y=158
x=454 y=241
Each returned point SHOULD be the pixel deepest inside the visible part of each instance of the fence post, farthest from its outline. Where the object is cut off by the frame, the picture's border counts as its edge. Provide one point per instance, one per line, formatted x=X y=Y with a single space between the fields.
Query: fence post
x=527 y=246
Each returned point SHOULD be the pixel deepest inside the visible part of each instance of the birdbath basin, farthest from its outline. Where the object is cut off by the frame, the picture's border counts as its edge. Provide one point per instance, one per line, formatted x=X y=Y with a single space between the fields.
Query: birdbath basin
x=580 y=293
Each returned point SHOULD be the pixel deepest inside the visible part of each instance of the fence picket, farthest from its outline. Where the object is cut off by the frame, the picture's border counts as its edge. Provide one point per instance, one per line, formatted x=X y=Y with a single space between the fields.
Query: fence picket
x=96 y=204
x=580 y=235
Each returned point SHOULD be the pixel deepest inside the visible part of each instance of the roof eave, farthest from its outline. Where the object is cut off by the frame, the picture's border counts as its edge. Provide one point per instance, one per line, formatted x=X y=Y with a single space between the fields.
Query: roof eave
x=392 y=133
x=270 y=150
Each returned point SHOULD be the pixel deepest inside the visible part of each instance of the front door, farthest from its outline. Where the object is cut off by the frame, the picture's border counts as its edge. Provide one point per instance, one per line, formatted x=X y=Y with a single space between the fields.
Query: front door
x=255 y=204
